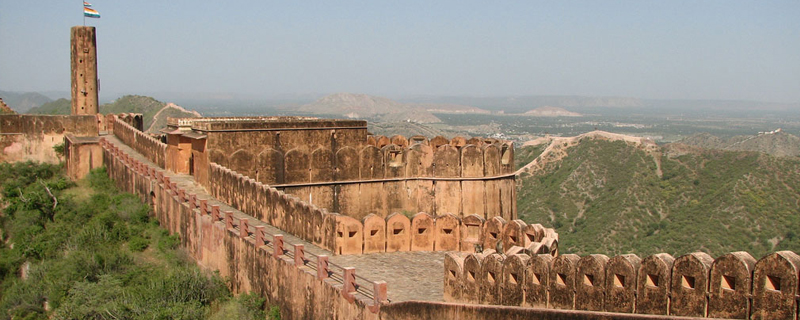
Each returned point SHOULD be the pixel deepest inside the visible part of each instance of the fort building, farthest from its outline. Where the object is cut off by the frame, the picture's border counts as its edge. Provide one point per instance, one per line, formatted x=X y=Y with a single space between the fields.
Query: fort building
x=281 y=205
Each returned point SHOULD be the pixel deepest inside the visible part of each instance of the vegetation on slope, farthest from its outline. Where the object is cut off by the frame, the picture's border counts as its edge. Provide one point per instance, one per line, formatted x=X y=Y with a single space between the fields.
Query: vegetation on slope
x=95 y=253
x=607 y=197
x=147 y=106
x=23 y=101
x=780 y=144
x=60 y=106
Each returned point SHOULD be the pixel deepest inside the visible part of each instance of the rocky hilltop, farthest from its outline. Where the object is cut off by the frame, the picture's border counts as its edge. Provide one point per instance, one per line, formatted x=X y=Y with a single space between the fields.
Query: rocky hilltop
x=776 y=143
x=549 y=111
x=357 y=105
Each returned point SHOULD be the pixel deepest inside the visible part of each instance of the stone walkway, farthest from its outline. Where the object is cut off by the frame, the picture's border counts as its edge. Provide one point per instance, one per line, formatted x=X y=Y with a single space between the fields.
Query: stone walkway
x=409 y=275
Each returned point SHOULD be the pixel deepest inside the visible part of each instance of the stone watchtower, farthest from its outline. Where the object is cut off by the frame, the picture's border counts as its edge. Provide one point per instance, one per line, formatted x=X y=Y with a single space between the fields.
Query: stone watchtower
x=84 y=70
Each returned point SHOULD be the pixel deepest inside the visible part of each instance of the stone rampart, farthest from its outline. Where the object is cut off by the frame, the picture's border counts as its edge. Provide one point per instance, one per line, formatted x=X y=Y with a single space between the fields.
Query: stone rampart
x=152 y=149
x=32 y=137
x=462 y=179
x=306 y=286
x=397 y=232
x=734 y=285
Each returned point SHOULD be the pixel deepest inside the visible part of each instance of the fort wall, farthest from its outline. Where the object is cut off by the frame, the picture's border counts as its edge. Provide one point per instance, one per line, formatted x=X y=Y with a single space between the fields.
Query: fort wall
x=733 y=286
x=32 y=137
x=152 y=149
x=379 y=178
x=373 y=233
x=304 y=285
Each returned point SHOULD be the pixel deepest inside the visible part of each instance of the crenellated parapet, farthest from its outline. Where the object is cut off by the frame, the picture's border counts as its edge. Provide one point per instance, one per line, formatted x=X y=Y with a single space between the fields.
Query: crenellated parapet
x=733 y=286
x=154 y=150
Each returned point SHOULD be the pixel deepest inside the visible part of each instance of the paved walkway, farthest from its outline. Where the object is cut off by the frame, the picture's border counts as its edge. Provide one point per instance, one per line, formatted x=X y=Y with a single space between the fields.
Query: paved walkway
x=409 y=275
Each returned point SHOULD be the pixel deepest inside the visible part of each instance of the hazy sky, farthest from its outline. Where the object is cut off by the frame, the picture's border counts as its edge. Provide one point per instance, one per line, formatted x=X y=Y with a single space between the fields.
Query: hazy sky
x=650 y=49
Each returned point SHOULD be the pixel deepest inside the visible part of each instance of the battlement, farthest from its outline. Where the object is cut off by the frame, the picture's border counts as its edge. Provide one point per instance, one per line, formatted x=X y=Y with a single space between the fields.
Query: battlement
x=734 y=285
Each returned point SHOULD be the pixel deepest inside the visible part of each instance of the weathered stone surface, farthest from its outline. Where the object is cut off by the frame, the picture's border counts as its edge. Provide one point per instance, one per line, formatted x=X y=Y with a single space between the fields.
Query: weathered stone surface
x=471 y=230
x=590 y=282
x=689 y=284
x=453 y=276
x=621 y=275
x=562 y=281
x=513 y=234
x=398 y=233
x=492 y=231
x=775 y=281
x=513 y=279
x=471 y=290
x=349 y=235
x=374 y=234
x=490 y=279
x=371 y=160
x=730 y=286
x=448 y=233
x=653 y=284
x=533 y=233
x=537 y=280
x=422 y=232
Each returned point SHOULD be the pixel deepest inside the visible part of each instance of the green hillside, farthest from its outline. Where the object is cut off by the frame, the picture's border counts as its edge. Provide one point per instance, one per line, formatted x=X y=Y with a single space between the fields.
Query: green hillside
x=89 y=251
x=608 y=197
x=60 y=106
x=23 y=101
x=147 y=106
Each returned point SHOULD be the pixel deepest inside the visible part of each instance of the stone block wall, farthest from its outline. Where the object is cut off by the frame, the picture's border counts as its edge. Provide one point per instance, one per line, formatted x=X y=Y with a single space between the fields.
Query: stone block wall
x=32 y=137
x=733 y=286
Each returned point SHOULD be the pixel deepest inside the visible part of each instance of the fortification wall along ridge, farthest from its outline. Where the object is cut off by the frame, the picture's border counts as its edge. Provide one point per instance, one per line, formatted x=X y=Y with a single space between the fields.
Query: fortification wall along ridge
x=32 y=137
x=734 y=286
x=304 y=285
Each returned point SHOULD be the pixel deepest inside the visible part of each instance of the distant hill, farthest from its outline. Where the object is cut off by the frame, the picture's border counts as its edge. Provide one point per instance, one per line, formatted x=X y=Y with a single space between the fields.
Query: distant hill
x=154 y=112
x=450 y=108
x=778 y=144
x=549 y=111
x=353 y=105
x=60 y=106
x=612 y=195
x=149 y=108
x=170 y=110
x=22 y=102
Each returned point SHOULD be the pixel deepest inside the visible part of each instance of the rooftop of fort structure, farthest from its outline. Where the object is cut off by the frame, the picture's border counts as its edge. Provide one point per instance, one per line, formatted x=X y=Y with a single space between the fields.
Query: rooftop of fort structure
x=273 y=123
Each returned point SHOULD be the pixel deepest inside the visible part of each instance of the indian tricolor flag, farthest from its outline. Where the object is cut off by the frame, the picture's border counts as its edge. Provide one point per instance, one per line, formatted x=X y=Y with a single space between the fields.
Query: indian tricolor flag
x=87 y=5
x=91 y=13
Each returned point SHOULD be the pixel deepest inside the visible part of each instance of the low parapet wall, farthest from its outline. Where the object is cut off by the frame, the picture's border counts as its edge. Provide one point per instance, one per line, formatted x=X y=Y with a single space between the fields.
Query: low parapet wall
x=396 y=232
x=152 y=149
x=734 y=285
x=32 y=137
x=306 y=286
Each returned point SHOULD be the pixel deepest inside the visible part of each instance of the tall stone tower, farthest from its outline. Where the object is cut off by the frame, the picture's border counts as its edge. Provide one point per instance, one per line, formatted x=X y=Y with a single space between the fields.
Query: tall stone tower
x=84 y=70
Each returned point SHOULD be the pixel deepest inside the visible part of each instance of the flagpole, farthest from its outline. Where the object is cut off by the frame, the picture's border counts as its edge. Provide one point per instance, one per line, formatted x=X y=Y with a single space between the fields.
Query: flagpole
x=84 y=15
